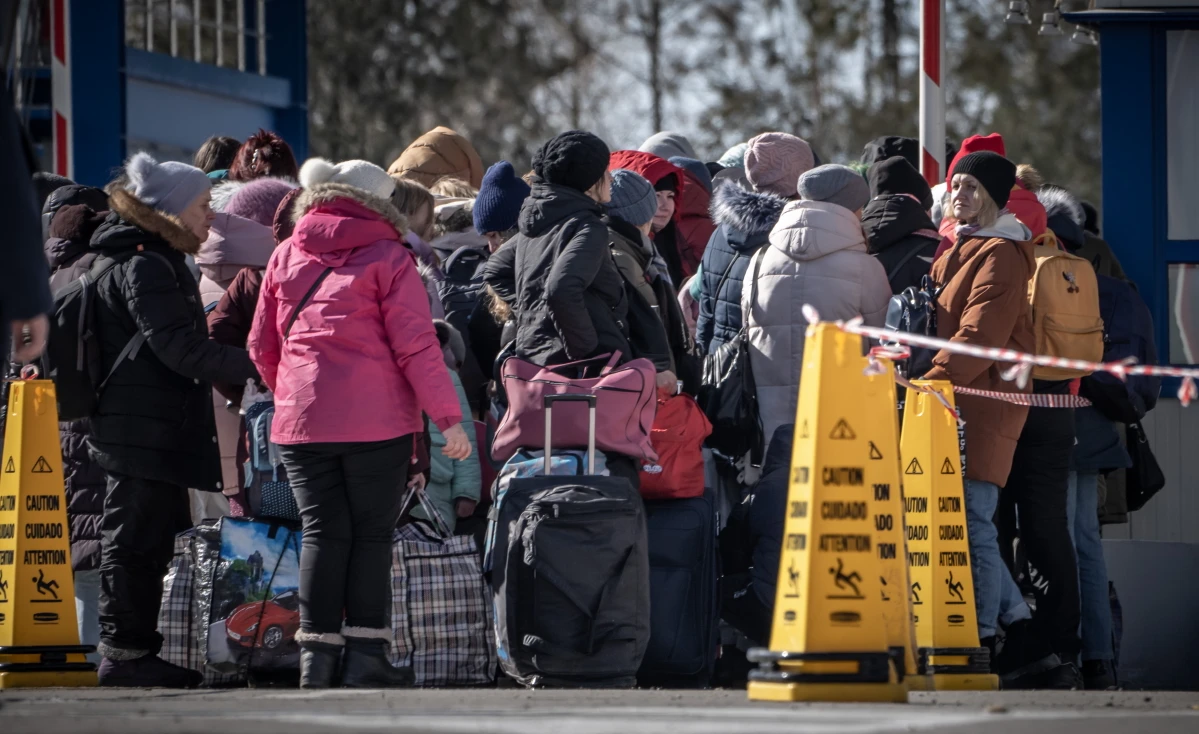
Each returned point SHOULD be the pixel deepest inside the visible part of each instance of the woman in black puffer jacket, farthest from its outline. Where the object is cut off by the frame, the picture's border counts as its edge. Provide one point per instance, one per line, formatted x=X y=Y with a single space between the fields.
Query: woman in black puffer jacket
x=153 y=431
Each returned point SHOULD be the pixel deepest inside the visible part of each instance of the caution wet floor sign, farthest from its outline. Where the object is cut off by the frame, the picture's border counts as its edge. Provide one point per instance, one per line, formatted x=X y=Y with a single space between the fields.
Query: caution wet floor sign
x=39 y=637
x=829 y=639
x=880 y=426
x=942 y=589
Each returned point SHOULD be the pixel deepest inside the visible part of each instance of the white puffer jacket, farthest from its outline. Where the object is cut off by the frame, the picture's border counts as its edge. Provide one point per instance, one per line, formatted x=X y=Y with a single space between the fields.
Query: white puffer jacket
x=817 y=255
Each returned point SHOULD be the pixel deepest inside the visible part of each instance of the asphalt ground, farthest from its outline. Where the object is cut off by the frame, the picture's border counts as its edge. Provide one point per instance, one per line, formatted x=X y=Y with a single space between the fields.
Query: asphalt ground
x=507 y=711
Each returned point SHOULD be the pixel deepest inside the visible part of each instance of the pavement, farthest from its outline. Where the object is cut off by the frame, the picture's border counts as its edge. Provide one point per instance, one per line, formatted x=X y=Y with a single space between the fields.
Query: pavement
x=508 y=711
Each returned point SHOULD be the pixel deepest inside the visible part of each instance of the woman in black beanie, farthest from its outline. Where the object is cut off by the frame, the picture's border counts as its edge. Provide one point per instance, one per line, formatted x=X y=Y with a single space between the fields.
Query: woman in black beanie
x=570 y=299
x=983 y=300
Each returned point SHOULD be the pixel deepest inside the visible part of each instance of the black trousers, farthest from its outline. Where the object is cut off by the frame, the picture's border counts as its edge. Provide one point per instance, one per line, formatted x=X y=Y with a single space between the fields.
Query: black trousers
x=1036 y=493
x=141 y=519
x=349 y=497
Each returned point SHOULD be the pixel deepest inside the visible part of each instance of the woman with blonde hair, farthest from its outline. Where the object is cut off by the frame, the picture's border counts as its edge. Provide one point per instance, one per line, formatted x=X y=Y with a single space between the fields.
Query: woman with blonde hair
x=983 y=300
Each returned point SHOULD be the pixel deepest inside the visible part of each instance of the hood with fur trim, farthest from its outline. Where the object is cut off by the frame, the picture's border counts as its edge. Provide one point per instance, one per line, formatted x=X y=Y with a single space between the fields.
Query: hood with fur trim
x=1057 y=200
x=223 y=191
x=333 y=219
x=133 y=221
x=748 y=212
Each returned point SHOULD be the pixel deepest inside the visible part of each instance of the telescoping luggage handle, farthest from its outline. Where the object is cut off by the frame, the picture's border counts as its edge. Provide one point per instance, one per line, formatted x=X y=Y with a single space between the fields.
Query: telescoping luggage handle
x=590 y=400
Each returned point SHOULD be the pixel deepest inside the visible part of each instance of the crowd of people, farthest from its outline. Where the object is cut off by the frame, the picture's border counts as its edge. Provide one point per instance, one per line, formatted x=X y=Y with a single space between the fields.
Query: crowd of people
x=374 y=304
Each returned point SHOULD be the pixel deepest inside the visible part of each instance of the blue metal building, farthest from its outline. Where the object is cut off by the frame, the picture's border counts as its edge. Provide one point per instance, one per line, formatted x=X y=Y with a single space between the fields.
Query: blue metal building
x=97 y=80
x=1149 y=71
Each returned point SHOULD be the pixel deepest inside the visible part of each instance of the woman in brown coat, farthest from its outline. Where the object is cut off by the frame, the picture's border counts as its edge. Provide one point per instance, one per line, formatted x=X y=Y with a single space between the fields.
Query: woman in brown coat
x=984 y=301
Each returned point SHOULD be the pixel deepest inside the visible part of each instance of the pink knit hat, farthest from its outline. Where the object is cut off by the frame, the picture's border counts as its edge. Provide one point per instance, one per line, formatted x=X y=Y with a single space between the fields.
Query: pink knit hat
x=258 y=199
x=775 y=161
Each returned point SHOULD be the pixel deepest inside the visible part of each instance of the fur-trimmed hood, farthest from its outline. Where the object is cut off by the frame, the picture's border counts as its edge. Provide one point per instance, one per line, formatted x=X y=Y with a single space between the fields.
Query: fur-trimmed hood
x=333 y=219
x=1057 y=200
x=748 y=212
x=132 y=219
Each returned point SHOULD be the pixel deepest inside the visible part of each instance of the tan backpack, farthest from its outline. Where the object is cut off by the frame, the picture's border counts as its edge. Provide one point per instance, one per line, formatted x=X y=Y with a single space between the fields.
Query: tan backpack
x=1064 y=294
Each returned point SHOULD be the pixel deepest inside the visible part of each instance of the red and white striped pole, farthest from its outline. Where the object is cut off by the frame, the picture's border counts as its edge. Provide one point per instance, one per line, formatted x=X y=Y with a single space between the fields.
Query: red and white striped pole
x=60 y=87
x=932 y=95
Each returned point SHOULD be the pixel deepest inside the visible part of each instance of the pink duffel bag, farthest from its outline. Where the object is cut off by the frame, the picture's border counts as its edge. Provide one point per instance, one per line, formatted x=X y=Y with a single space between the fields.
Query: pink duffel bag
x=625 y=406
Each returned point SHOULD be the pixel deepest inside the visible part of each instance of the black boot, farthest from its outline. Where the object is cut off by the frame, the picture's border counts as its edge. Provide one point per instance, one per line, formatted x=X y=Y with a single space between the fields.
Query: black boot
x=366 y=664
x=147 y=671
x=1025 y=659
x=320 y=658
x=1099 y=675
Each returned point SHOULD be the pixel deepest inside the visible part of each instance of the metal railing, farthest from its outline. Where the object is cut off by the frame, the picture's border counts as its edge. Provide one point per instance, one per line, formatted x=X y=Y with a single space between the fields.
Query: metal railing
x=205 y=31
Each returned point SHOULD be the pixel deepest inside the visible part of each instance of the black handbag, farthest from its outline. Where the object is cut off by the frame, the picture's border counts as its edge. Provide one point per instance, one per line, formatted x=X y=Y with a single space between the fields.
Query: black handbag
x=729 y=396
x=1145 y=478
x=915 y=312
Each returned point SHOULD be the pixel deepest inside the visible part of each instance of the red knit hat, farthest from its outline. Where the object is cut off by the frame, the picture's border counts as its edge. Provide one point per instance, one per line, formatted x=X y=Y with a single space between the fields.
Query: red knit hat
x=973 y=144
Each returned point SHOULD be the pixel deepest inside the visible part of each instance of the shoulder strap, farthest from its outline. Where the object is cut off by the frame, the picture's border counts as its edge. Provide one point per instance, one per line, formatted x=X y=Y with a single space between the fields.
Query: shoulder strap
x=304 y=301
x=725 y=275
x=758 y=257
x=904 y=261
x=134 y=345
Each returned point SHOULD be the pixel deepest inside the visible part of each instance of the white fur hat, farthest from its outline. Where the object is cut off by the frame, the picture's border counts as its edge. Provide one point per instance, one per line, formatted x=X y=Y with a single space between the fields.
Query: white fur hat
x=359 y=174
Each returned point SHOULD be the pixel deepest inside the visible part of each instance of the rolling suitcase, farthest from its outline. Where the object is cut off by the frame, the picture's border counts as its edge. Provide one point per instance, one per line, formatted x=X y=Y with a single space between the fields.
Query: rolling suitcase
x=570 y=575
x=684 y=592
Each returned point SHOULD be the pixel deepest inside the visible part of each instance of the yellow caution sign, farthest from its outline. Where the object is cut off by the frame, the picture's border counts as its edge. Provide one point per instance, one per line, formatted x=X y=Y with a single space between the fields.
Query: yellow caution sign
x=938 y=546
x=880 y=427
x=829 y=639
x=39 y=636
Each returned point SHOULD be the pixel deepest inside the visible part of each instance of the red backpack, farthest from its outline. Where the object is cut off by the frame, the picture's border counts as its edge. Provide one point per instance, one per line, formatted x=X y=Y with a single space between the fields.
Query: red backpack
x=680 y=428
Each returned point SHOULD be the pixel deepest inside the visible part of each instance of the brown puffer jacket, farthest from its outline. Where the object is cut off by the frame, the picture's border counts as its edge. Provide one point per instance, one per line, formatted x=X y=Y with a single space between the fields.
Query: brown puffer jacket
x=984 y=302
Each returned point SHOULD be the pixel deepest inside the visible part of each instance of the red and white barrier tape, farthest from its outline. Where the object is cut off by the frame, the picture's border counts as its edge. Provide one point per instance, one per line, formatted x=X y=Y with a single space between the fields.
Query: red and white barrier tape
x=1022 y=363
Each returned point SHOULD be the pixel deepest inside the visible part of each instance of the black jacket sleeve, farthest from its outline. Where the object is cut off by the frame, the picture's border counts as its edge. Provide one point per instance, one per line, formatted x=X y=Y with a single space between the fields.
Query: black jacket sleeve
x=24 y=278
x=499 y=272
x=647 y=334
x=162 y=312
x=578 y=261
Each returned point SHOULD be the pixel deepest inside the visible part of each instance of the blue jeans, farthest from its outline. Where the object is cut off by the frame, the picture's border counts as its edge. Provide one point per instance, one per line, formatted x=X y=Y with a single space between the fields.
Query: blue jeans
x=996 y=597
x=1082 y=511
x=87 y=610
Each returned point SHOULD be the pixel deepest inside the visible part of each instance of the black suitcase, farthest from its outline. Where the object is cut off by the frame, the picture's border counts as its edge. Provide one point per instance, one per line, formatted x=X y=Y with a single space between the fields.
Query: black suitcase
x=570 y=577
x=684 y=592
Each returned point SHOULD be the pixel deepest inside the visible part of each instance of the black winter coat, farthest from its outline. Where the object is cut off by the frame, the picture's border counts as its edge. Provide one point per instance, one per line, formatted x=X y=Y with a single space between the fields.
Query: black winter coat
x=744 y=220
x=84 y=482
x=895 y=227
x=570 y=299
x=155 y=419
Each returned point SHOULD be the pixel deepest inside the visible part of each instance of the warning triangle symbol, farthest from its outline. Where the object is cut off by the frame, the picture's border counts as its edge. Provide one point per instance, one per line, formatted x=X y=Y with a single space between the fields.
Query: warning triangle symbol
x=947 y=468
x=10 y=468
x=804 y=433
x=913 y=467
x=842 y=431
x=874 y=452
x=41 y=466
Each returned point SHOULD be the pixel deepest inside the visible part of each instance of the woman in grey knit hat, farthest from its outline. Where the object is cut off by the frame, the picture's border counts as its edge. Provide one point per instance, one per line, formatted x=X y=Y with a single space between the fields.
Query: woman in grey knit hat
x=153 y=432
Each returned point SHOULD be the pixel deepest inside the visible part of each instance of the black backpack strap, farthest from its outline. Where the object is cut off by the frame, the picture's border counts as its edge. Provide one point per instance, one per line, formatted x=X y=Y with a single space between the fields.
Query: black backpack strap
x=904 y=261
x=304 y=301
x=134 y=345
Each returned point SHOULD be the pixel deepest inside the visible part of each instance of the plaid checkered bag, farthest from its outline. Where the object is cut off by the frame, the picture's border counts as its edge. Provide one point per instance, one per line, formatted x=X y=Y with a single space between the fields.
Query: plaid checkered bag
x=441 y=610
x=177 y=622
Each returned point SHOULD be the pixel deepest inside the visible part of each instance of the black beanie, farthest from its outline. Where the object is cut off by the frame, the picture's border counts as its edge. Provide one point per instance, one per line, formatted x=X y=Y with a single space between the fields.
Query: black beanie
x=669 y=182
x=996 y=173
x=895 y=175
x=575 y=158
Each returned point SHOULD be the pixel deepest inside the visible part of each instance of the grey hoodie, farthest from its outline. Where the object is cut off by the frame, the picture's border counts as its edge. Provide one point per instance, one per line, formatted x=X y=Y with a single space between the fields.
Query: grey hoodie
x=817 y=255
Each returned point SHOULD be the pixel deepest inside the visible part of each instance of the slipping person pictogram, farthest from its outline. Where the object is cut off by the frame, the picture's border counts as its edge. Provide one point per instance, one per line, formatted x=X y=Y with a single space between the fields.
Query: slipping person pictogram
x=843 y=580
x=45 y=587
x=955 y=587
x=3 y=587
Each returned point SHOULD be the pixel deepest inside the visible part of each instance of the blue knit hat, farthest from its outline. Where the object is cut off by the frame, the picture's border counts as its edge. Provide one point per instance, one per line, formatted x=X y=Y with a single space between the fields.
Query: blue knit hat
x=697 y=169
x=633 y=198
x=169 y=187
x=498 y=204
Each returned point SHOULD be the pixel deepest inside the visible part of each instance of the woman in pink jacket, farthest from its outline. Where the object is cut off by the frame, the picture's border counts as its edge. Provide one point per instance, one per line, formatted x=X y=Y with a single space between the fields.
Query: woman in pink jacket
x=344 y=338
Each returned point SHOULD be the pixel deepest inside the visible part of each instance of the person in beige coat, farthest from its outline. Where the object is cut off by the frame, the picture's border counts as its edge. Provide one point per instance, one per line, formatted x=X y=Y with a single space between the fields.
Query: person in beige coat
x=817 y=255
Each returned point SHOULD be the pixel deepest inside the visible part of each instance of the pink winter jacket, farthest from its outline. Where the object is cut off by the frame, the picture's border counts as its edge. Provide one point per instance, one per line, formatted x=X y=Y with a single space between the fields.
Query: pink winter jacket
x=362 y=359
